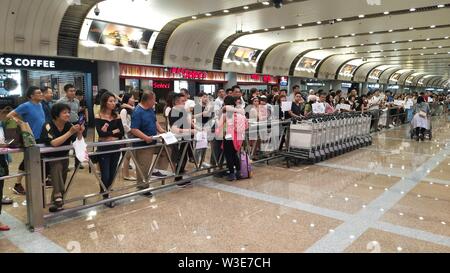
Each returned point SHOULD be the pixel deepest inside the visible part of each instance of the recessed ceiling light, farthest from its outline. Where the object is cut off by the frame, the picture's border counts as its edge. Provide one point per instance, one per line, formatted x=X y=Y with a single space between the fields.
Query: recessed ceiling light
x=250 y=31
x=353 y=34
x=339 y=19
x=266 y=3
x=411 y=28
x=412 y=9
x=320 y=38
x=319 y=22
x=266 y=29
x=336 y=36
x=441 y=6
x=347 y=45
x=410 y=40
x=306 y=39
x=410 y=48
x=395 y=49
x=433 y=26
x=446 y=37
x=300 y=25
x=282 y=27
x=393 y=42
x=377 y=43
x=369 y=51
x=424 y=47
x=226 y=11
x=440 y=46
x=371 y=32
x=428 y=39
x=246 y=7
x=435 y=53
x=194 y=17
x=361 y=16
x=362 y=44
x=291 y=41
x=334 y=47
x=422 y=54
x=382 y=50
x=208 y=14
x=386 y=13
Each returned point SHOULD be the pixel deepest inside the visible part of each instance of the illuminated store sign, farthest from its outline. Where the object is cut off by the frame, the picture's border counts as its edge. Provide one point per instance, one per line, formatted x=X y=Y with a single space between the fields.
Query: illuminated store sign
x=161 y=85
x=256 y=78
x=153 y=72
x=26 y=62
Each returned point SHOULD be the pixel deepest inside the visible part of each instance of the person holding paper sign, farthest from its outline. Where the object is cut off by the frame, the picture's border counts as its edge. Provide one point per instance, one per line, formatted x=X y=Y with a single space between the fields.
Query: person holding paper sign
x=109 y=128
x=55 y=133
x=145 y=126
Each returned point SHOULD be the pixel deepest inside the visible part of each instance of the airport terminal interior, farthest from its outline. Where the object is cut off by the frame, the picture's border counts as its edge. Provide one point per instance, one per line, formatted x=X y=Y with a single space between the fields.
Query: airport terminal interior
x=224 y=126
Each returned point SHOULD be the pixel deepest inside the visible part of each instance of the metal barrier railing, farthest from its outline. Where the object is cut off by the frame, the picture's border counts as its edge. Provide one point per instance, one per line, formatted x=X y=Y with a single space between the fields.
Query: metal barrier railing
x=35 y=173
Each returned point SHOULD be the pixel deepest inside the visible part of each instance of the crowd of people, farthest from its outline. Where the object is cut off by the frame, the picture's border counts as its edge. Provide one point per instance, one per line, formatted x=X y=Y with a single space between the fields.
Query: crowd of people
x=222 y=121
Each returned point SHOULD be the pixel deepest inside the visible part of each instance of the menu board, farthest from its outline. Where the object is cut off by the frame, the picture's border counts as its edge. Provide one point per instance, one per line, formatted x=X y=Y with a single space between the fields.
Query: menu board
x=243 y=54
x=118 y=35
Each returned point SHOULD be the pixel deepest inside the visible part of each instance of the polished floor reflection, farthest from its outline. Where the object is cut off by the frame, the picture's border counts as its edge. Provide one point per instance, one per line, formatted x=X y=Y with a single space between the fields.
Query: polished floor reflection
x=393 y=196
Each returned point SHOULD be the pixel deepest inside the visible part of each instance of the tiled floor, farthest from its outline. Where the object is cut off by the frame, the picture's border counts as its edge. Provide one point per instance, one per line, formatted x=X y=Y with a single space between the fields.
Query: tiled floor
x=391 y=197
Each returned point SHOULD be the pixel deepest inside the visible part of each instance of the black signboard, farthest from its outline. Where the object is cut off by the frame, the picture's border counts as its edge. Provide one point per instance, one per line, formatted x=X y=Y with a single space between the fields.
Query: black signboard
x=9 y=61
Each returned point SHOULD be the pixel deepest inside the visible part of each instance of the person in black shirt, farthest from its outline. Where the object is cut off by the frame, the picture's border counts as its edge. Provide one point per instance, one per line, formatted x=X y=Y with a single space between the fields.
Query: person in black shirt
x=59 y=132
x=180 y=124
x=109 y=128
x=298 y=107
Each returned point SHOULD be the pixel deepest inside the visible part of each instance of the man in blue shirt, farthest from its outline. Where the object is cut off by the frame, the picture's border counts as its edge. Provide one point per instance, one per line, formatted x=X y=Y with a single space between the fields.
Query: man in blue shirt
x=31 y=112
x=145 y=126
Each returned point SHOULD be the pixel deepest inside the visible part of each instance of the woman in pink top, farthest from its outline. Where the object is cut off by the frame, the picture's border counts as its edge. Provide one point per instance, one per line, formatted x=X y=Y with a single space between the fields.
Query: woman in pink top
x=231 y=129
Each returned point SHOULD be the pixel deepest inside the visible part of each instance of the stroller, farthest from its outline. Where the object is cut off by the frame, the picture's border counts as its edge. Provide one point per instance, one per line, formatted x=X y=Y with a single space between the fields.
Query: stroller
x=428 y=134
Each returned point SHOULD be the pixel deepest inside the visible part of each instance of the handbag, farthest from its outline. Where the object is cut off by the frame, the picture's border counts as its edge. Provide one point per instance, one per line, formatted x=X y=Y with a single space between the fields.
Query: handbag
x=423 y=114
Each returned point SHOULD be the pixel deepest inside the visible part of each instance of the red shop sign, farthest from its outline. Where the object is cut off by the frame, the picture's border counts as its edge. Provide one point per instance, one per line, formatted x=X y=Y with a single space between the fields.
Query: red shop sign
x=189 y=74
x=161 y=85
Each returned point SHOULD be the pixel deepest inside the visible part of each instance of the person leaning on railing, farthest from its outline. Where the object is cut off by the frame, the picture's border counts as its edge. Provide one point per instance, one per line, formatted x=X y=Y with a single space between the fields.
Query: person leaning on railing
x=145 y=126
x=109 y=128
x=55 y=133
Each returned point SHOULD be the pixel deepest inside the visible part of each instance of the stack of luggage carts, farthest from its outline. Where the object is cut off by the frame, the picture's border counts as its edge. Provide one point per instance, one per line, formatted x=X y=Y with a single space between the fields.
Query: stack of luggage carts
x=321 y=137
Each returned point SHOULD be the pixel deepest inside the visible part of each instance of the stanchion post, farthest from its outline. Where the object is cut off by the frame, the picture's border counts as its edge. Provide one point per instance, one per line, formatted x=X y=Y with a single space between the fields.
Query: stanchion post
x=34 y=195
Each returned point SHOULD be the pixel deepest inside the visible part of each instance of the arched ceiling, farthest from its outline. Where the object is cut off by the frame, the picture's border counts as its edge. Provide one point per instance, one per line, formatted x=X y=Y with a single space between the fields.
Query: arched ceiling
x=198 y=34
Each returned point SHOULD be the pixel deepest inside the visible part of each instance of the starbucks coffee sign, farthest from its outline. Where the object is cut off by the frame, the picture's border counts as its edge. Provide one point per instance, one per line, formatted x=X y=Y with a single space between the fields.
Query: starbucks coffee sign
x=22 y=62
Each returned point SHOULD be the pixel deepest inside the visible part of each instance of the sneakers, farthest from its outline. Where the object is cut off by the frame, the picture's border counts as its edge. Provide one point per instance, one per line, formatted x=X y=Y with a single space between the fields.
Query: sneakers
x=231 y=177
x=130 y=178
x=110 y=205
x=148 y=194
x=48 y=184
x=158 y=174
x=4 y=227
x=57 y=205
x=7 y=201
x=184 y=184
x=18 y=189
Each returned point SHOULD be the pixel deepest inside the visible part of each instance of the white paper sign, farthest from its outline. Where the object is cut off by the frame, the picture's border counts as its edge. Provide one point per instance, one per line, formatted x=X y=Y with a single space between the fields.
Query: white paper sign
x=202 y=140
x=80 y=148
x=409 y=104
x=345 y=107
x=286 y=106
x=318 y=108
x=169 y=138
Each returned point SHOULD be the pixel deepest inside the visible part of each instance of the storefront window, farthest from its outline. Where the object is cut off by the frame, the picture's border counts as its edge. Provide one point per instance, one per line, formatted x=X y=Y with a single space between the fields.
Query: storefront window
x=10 y=82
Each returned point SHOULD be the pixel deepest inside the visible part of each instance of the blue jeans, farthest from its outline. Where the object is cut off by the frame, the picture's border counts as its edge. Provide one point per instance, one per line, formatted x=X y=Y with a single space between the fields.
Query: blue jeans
x=409 y=114
x=108 y=169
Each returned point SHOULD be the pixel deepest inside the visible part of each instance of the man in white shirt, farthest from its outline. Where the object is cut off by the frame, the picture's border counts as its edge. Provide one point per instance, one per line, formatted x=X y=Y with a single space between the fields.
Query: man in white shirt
x=374 y=107
x=218 y=103
x=190 y=104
